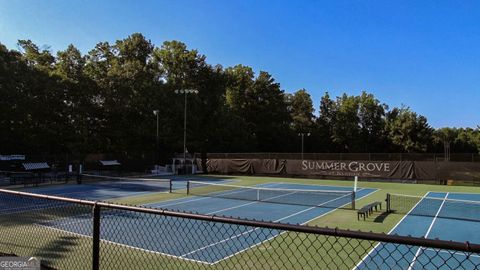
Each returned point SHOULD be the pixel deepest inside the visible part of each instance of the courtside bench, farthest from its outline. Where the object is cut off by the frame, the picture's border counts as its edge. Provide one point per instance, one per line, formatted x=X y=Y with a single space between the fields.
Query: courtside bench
x=368 y=209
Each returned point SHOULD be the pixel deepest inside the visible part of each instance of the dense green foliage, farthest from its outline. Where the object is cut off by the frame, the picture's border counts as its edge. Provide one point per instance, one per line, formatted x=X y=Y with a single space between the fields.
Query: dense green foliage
x=103 y=102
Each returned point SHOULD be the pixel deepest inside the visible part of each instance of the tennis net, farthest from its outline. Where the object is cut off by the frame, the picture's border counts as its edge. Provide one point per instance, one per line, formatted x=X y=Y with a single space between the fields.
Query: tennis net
x=304 y=197
x=127 y=183
x=434 y=207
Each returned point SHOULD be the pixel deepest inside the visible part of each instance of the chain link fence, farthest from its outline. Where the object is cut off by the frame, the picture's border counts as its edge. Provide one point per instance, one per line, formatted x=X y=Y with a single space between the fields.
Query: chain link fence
x=76 y=234
x=455 y=157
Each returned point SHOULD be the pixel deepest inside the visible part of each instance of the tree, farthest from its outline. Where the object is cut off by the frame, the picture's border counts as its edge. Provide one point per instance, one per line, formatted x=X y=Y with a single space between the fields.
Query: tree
x=181 y=69
x=14 y=104
x=127 y=79
x=180 y=65
x=408 y=131
x=301 y=111
x=38 y=101
x=103 y=102
x=323 y=131
x=468 y=140
x=371 y=114
x=265 y=111
x=461 y=140
x=69 y=64
x=443 y=136
x=240 y=80
x=346 y=126
x=79 y=91
x=42 y=60
x=260 y=109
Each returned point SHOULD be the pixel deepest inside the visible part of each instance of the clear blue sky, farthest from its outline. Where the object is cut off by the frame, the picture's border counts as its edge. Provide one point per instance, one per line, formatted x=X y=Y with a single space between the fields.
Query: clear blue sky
x=424 y=54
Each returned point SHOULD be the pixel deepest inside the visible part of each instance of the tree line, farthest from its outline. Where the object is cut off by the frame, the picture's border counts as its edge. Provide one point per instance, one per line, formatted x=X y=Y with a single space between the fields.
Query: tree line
x=103 y=102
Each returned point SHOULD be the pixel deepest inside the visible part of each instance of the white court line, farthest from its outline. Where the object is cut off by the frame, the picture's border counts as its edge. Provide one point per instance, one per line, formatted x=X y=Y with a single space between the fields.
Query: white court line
x=245 y=204
x=459 y=253
x=72 y=222
x=30 y=209
x=278 y=220
x=315 y=185
x=242 y=205
x=124 y=245
x=258 y=201
x=27 y=208
x=69 y=221
x=458 y=192
x=204 y=262
x=177 y=201
x=251 y=230
x=428 y=232
x=121 y=179
x=146 y=250
x=378 y=244
x=270 y=238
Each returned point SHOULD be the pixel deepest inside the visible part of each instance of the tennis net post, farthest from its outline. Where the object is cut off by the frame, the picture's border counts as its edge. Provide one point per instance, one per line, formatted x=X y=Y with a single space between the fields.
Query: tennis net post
x=387 y=200
x=353 y=200
x=355 y=183
x=79 y=178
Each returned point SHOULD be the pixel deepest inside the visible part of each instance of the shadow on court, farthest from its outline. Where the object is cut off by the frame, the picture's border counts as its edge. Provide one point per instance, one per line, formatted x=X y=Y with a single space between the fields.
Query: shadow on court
x=380 y=218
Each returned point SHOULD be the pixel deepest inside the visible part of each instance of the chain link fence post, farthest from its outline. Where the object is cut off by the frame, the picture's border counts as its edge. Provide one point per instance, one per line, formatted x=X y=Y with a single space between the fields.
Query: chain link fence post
x=96 y=238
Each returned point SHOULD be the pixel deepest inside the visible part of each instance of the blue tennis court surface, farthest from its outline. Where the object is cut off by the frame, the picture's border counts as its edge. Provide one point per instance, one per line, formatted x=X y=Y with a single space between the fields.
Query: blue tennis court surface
x=190 y=242
x=90 y=192
x=102 y=191
x=434 y=226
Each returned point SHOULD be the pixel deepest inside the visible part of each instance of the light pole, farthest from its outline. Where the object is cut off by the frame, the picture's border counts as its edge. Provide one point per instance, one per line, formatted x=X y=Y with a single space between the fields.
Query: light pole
x=156 y=112
x=302 y=135
x=446 y=149
x=185 y=91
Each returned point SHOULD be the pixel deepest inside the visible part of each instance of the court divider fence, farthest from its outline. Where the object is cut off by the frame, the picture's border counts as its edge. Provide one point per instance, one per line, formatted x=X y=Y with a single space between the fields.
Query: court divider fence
x=69 y=233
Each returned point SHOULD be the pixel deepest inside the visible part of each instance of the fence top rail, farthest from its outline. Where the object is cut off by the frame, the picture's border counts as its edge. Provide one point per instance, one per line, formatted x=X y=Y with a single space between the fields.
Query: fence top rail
x=339 y=153
x=380 y=237
x=467 y=157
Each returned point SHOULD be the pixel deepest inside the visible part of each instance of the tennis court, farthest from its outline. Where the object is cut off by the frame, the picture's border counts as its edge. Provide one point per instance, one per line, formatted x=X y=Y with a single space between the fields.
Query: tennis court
x=97 y=187
x=298 y=204
x=442 y=215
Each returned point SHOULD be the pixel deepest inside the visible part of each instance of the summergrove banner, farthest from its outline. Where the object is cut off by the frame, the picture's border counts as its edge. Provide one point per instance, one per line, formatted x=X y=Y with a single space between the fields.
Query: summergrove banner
x=376 y=169
x=408 y=170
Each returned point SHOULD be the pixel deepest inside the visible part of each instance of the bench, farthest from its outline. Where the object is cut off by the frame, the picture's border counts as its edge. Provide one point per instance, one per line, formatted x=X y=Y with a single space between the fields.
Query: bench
x=376 y=204
x=368 y=209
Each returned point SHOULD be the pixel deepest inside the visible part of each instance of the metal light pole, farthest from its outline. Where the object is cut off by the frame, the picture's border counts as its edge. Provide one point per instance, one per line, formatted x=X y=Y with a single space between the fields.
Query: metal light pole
x=185 y=91
x=302 y=135
x=156 y=112
x=446 y=149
